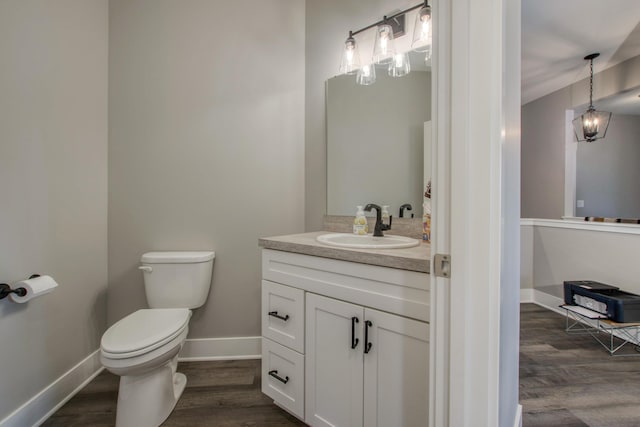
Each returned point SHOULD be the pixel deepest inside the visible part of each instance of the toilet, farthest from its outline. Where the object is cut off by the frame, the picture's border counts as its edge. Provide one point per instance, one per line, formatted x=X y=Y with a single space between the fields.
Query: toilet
x=143 y=347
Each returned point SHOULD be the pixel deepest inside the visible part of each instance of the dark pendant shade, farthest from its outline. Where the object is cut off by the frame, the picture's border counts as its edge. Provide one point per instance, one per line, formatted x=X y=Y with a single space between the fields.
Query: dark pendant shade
x=591 y=125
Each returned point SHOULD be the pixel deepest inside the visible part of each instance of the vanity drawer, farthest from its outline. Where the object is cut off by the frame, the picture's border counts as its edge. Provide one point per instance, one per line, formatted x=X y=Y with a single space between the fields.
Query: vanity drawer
x=283 y=315
x=283 y=376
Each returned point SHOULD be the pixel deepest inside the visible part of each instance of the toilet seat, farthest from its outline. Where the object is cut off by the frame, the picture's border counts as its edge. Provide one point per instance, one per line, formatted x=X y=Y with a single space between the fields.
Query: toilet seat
x=144 y=331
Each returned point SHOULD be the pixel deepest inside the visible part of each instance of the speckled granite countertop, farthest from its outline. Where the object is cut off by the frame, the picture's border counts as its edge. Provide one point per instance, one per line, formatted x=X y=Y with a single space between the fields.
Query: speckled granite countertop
x=414 y=259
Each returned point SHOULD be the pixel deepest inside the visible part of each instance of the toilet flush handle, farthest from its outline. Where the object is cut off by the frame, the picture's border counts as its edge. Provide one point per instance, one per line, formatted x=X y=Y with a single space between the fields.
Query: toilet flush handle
x=145 y=268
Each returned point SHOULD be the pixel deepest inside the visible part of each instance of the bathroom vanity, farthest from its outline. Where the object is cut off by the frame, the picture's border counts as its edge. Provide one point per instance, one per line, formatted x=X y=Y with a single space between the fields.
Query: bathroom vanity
x=346 y=332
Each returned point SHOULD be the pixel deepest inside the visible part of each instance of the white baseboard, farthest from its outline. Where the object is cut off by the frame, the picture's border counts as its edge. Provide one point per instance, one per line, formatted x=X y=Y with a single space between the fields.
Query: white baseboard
x=526 y=295
x=518 y=420
x=548 y=301
x=202 y=349
x=40 y=407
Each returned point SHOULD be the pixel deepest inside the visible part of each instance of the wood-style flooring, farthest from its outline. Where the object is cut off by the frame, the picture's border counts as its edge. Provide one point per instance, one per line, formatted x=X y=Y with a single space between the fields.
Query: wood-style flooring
x=220 y=394
x=570 y=380
x=565 y=380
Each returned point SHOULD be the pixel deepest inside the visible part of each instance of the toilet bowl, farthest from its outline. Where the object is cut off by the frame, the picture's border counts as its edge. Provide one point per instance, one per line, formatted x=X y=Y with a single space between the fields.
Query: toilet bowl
x=143 y=347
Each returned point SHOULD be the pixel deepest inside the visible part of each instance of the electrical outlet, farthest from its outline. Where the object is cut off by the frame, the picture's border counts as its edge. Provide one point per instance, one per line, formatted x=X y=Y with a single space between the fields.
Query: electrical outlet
x=580 y=204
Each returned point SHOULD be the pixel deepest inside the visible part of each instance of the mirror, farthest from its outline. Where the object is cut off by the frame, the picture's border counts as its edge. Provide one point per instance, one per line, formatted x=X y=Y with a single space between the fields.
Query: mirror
x=607 y=171
x=376 y=140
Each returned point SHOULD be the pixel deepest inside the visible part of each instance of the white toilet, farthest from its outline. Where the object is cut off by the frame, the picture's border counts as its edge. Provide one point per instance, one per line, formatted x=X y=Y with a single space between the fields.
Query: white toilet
x=143 y=347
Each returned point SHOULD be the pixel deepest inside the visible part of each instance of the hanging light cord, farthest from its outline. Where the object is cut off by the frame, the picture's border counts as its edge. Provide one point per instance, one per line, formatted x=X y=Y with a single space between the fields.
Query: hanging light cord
x=388 y=18
x=591 y=85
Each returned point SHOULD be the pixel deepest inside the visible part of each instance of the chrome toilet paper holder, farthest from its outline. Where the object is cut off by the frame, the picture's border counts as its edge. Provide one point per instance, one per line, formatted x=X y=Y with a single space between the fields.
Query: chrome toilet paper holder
x=5 y=289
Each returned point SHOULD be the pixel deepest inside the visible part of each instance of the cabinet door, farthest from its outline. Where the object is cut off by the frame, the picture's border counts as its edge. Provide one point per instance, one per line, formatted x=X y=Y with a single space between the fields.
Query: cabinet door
x=333 y=380
x=396 y=371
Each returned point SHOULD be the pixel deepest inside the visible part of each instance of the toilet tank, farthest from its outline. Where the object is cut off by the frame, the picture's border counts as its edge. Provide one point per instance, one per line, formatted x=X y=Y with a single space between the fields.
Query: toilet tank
x=177 y=279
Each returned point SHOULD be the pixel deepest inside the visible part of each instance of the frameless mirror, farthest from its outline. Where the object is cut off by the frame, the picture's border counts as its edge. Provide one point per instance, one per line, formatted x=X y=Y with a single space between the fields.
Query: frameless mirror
x=607 y=172
x=376 y=140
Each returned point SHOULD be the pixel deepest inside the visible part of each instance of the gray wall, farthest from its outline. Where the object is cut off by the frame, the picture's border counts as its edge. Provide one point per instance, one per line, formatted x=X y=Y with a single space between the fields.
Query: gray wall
x=375 y=142
x=542 y=179
x=607 y=172
x=53 y=170
x=543 y=137
x=206 y=145
x=327 y=26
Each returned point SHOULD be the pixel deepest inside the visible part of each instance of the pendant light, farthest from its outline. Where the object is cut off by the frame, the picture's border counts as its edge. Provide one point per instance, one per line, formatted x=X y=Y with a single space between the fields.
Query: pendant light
x=383 y=49
x=350 y=62
x=422 y=31
x=366 y=75
x=592 y=124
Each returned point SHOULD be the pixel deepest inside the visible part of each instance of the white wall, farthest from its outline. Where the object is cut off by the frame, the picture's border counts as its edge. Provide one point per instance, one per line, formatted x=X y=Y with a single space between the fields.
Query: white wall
x=53 y=170
x=510 y=270
x=206 y=145
x=607 y=172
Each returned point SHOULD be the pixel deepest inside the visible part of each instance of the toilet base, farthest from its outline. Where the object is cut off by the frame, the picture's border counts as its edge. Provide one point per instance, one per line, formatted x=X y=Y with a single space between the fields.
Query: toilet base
x=147 y=400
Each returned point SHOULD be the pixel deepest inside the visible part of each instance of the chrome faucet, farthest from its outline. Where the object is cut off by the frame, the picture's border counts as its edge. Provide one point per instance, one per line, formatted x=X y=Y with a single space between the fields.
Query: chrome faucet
x=406 y=206
x=379 y=227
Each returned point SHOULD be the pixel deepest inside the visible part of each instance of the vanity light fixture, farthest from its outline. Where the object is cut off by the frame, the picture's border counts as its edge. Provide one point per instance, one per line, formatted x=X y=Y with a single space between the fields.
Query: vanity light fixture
x=592 y=124
x=384 y=53
x=422 y=31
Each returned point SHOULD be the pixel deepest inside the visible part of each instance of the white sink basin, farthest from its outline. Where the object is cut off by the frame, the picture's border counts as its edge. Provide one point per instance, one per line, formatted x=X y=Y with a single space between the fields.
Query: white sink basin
x=347 y=240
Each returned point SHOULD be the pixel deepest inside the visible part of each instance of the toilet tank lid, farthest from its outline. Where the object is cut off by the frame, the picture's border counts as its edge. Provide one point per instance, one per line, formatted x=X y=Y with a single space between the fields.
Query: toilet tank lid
x=177 y=257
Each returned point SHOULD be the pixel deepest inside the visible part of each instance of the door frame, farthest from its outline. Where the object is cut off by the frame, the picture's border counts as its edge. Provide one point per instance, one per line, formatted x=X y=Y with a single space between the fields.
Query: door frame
x=476 y=110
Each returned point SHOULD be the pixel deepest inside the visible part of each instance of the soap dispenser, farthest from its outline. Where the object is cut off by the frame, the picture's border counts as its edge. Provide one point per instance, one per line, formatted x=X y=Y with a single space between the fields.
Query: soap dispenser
x=360 y=225
x=385 y=214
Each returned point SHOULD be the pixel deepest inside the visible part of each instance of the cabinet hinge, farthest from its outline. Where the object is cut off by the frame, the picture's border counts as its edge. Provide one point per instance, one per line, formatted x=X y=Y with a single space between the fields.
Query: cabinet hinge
x=442 y=265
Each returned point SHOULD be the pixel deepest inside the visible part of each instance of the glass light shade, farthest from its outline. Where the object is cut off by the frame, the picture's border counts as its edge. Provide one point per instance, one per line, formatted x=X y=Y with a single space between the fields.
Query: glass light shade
x=400 y=65
x=591 y=125
x=350 y=57
x=366 y=75
x=422 y=32
x=383 y=49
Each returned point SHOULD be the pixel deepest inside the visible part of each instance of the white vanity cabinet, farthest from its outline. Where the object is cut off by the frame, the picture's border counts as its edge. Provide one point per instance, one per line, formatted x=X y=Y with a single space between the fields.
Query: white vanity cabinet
x=362 y=339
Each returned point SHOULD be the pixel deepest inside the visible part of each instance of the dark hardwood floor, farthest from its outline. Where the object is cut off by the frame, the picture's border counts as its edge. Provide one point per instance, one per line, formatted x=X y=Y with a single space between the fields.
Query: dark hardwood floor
x=565 y=380
x=220 y=394
x=570 y=380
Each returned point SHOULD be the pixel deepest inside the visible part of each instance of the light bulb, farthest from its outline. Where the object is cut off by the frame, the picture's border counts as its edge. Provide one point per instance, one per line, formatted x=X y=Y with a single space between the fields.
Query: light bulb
x=366 y=75
x=400 y=65
x=425 y=26
x=384 y=42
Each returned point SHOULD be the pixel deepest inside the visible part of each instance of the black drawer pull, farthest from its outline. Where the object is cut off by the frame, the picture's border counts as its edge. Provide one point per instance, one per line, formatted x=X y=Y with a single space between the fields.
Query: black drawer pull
x=354 y=340
x=275 y=314
x=275 y=375
x=367 y=344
